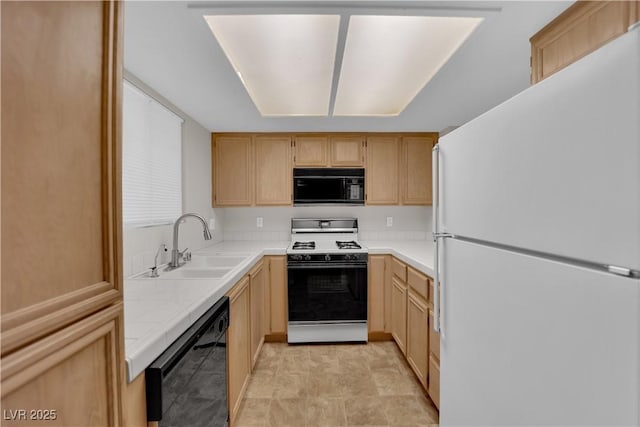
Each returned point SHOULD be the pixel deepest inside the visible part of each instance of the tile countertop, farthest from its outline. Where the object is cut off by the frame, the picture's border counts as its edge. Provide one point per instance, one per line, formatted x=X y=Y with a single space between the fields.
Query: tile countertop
x=157 y=312
x=415 y=253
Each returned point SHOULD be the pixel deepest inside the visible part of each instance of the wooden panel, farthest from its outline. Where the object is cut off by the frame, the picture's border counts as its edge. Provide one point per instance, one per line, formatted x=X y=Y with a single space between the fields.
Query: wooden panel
x=434 y=338
x=256 y=276
x=60 y=180
x=579 y=30
x=430 y=298
x=382 y=170
x=419 y=282
x=387 y=293
x=239 y=345
x=311 y=151
x=417 y=345
x=274 y=176
x=399 y=269
x=278 y=294
x=233 y=170
x=78 y=372
x=434 y=381
x=376 y=319
x=347 y=151
x=399 y=313
x=416 y=170
x=135 y=401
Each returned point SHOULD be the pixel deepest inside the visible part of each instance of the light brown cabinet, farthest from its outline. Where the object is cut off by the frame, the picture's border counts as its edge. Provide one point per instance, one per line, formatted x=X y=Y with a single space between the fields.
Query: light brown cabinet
x=239 y=344
x=416 y=170
x=62 y=338
x=382 y=170
x=399 y=313
x=232 y=170
x=347 y=151
x=417 y=336
x=433 y=386
x=311 y=151
x=273 y=176
x=257 y=285
x=579 y=30
x=277 y=298
x=376 y=293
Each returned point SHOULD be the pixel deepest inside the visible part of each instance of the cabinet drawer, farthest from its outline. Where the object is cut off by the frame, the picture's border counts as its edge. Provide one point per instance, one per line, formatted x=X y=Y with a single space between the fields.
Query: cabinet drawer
x=434 y=338
x=399 y=269
x=419 y=282
x=434 y=381
x=430 y=299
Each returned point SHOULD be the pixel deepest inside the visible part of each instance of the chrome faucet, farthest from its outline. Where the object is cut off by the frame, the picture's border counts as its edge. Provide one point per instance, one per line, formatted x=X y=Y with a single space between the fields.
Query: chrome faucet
x=175 y=253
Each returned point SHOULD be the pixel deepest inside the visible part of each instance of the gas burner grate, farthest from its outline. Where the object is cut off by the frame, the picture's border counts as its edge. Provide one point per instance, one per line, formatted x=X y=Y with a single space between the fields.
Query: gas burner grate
x=348 y=245
x=304 y=245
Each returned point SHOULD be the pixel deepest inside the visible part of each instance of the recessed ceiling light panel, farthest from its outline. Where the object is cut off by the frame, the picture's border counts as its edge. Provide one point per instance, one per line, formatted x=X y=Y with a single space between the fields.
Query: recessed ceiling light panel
x=389 y=59
x=285 y=62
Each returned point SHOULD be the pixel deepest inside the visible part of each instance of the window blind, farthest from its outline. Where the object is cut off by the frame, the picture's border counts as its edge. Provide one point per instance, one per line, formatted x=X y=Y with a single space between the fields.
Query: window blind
x=151 y=160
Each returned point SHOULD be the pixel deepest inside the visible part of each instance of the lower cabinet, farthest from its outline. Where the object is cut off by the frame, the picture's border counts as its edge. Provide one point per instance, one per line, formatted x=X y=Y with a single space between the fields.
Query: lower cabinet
x=433 y=386
x=238 y=344
x=399 y=313
x=417 y=336
x=276 y=307
x=376 y=294
x=85 y=359
x=257 y=282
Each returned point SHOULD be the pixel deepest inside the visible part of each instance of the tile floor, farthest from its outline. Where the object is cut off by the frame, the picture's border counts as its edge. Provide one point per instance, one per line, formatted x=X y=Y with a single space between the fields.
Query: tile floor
x=334 y=385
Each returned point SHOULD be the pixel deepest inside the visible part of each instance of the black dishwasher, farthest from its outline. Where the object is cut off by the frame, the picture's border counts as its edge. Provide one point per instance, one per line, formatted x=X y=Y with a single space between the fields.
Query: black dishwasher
x=187 y=384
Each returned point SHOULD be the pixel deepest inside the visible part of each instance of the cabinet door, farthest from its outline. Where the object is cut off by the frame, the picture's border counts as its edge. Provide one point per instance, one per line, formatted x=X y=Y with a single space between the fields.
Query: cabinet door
x=382 y=170
x=238 y=344
x=417 y=333
x=434 y=338
x=278 y=295
x=61 y=127
x=347 y=151
x=77 y=373
x=257 y=311
x=579 y=30
x=232 y=170
x=376 y=293
x=274 y=175
x=416 y=170
x=399 y=313
x=434 y=381
x=311 y=151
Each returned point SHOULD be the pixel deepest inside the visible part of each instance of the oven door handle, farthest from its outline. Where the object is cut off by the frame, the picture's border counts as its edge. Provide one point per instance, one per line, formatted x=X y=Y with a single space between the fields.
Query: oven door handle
x=323 y=266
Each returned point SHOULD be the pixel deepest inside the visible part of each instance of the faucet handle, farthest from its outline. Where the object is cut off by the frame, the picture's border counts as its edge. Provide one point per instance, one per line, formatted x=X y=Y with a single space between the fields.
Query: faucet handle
x=187 y=256
x=154 y=272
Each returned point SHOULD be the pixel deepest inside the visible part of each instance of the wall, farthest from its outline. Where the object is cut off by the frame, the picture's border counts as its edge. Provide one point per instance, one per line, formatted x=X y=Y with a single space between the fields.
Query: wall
x=140 y=244
x=409 y=222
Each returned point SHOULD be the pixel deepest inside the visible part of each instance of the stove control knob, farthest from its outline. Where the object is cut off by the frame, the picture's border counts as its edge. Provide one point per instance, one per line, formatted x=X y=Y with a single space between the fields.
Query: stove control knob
x=327 y=257
x=307 y=257
x=347 y=257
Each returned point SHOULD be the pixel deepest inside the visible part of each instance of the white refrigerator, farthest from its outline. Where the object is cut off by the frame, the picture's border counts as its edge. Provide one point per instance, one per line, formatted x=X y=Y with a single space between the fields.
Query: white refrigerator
x=537 y=230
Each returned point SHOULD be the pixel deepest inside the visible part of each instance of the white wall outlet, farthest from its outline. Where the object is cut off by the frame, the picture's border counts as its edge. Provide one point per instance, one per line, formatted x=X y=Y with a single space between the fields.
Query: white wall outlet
x=212 y=223
x=259 y=222
x=389 y=221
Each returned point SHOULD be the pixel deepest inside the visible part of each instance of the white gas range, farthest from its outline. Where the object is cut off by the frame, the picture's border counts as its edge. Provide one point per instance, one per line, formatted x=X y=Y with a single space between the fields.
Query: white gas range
x=327 y=281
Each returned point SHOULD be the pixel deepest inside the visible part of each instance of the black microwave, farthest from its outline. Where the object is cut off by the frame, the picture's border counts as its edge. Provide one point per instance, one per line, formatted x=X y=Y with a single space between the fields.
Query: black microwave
x=328 y=186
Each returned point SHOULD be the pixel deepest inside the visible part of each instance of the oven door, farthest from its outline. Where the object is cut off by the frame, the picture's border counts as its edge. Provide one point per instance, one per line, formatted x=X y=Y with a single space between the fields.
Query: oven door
x=328 y=293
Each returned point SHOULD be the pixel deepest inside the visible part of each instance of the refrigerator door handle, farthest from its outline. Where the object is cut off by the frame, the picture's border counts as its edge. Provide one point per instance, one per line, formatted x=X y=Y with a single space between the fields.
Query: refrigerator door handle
x=437 y=324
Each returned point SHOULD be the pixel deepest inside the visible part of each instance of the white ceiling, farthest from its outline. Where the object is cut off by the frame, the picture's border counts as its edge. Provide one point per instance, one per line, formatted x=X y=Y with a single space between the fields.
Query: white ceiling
x=169 y=46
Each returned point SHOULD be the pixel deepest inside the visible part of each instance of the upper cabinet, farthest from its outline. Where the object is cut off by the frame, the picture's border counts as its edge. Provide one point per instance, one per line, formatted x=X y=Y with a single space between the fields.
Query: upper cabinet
x=273 y=176
x=347 y=151
x=416 y=169
x=381 y=174
x=579 y=30
x=329 y=151
x=232 y=170
x=311 y=151
x=257 y=169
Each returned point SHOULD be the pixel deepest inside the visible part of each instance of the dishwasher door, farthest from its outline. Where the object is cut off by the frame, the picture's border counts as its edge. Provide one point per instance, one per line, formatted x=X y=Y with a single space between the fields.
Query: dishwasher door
x=187 y=384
